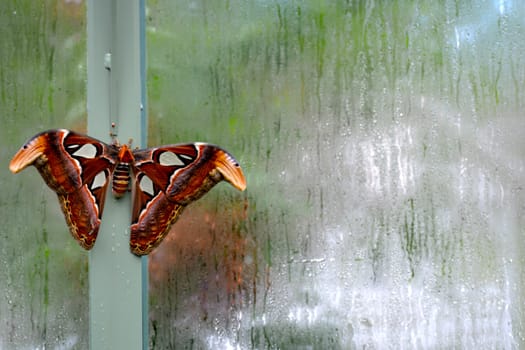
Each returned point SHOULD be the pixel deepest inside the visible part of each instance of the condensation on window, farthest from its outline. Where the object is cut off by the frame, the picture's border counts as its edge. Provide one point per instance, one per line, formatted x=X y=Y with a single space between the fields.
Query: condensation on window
x=383 y=149
x=43 y=279
x=382 y=143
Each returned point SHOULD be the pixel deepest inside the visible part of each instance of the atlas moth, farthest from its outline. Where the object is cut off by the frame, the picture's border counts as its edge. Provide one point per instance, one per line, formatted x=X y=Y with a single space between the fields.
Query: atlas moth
x=163 y=180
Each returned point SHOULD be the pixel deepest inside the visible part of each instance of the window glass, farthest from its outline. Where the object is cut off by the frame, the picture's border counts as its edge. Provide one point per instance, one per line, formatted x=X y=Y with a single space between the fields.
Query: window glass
x=384 y=153
x=43 y=279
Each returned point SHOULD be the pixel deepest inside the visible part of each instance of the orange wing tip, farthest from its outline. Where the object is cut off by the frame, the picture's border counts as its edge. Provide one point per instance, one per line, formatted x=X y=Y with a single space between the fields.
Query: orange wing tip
x=27 y=155
x=231 y=171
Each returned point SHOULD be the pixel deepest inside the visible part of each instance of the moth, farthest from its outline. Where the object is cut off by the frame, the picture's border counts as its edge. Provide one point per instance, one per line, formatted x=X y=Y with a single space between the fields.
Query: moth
x=164 y=181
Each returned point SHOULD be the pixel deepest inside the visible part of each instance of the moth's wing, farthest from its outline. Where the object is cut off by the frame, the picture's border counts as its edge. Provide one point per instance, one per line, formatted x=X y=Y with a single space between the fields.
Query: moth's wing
x=153 y=223
x=78 y=168
x=83 y=210
x=167 y=179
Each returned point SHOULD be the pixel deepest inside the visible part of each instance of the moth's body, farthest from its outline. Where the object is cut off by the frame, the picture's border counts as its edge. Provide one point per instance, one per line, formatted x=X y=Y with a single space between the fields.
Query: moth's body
x=164 y=180
x=121 y=175
x=121 y=180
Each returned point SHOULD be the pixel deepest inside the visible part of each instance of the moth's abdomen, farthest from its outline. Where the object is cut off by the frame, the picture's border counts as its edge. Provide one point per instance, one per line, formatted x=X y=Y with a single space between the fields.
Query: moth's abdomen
x=121 y=180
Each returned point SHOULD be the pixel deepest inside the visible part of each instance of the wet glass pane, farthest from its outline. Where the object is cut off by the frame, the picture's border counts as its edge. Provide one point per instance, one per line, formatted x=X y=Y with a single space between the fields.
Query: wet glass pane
x=384 y=151
x=43 y=279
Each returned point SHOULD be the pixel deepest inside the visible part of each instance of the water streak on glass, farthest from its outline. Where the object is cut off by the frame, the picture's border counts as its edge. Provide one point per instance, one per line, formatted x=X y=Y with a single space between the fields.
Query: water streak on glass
x=383 y=148
x=385 y=167
x=43 y=280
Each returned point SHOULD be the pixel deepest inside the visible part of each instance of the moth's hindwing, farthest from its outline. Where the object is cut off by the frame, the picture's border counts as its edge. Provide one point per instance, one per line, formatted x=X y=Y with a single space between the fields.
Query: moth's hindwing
x=167 y=179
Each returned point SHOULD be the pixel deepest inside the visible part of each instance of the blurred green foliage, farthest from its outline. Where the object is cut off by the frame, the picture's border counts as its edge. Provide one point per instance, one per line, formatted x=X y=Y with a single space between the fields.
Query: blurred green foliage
x=272 y=82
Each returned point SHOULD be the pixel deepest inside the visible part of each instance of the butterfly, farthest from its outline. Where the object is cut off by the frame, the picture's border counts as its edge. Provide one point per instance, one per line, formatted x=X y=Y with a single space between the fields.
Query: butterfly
x=164 y=181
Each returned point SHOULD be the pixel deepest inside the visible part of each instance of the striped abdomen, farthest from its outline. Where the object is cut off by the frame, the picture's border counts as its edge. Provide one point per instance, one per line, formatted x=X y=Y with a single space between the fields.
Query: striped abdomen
x=121 y=180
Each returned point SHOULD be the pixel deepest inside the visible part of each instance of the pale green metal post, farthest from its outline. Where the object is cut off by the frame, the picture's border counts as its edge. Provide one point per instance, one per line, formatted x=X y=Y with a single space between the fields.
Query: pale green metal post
x=115 y=94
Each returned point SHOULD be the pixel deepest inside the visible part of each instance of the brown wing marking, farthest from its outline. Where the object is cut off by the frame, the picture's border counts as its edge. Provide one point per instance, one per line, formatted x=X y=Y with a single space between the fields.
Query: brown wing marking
x=153 y=224
x=179 y=175
x=77 y=168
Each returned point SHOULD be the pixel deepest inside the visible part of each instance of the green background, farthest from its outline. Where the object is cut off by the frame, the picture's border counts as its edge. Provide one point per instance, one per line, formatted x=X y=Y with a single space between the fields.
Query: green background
x=384 y=152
